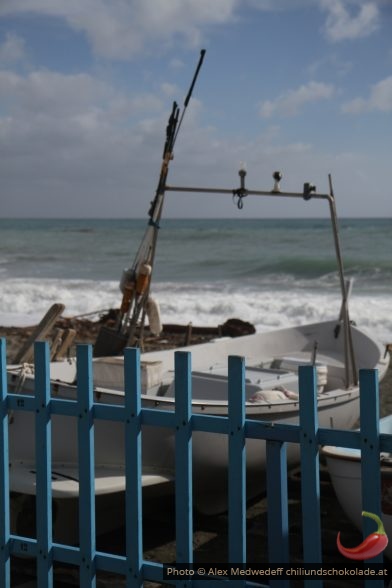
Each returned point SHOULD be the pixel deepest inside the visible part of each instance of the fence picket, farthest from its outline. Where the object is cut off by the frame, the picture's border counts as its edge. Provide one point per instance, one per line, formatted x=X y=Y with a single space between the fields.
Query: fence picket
x=87 y=573
x=133 y=468
x=310 y=475
x=370 y=451
x=183 y=459
x=237 y=461
x=277 y=515
x=43 y=459
x=4 y=473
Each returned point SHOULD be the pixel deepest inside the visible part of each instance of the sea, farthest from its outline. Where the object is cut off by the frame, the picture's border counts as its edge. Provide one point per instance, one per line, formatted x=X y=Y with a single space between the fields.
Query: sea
x=272 y=273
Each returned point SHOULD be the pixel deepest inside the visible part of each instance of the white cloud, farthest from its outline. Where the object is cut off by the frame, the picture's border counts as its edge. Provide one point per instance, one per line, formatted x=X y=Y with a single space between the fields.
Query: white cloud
x=56 y=95
x=12 y=49
x=380 y=99
x=279 y=5
x=83 y=154
x=290 y=102
x=76 y=144
x=342 y=24
x=169 y=89
x=73 y=141
x=333 y=62
x=52 y=93
x=59 y=131
x=176 y=63
x=120 y=29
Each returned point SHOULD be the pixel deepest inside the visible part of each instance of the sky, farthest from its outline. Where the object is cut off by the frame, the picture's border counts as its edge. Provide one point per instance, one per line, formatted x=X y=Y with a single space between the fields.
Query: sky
x=299 y=86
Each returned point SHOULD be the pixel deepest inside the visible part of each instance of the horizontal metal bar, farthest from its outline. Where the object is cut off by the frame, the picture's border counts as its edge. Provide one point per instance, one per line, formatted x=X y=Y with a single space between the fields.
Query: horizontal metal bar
x=200 y=422
x=106 y=562
x=209 y=423
x=109 y=412
x=246 y=192
x=23 y=546
x=56 y=405
x=66 y=554
x=159 y=418
x=21 y=402
x=272 y=431
x=339 y=438
x=62 y=406
x=153 y=571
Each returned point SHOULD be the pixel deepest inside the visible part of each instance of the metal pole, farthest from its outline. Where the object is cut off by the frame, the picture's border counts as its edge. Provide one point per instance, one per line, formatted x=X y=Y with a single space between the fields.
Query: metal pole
x=348 y=342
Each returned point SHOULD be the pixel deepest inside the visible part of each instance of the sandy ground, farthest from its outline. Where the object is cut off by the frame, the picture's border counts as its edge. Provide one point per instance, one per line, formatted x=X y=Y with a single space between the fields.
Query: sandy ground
x=210 y=533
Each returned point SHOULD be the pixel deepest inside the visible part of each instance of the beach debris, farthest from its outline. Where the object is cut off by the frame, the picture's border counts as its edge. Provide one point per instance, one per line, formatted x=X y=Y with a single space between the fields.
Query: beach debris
x=26 y=352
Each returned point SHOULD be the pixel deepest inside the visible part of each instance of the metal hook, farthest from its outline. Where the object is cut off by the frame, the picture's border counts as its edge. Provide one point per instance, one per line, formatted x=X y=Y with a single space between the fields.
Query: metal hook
x=241 y=192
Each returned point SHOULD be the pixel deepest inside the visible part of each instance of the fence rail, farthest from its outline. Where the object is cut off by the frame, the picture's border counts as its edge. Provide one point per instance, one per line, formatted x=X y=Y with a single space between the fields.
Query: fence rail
x=235 y=425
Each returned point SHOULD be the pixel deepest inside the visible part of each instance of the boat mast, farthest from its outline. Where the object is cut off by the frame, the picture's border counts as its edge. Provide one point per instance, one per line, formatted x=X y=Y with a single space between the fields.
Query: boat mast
x=308 y=192
x=136 y=281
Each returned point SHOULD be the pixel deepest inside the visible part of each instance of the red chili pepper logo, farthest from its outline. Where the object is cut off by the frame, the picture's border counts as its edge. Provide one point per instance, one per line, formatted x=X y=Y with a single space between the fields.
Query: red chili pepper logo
x=370 y=547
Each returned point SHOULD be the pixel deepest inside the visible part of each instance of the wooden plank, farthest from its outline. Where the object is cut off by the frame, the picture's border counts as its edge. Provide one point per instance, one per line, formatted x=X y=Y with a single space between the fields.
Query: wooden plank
x=25 y=354
x=188 y=334
x=68 y=339
x=56 y=342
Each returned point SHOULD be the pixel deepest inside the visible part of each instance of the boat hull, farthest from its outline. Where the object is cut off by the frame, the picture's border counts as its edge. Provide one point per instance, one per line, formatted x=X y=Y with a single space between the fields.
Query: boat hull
x=344 y=466
x=346 y=480
x=338 y=407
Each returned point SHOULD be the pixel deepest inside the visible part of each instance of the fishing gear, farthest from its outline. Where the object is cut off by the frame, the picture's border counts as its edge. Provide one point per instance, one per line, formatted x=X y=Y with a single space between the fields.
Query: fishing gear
x=136 y=281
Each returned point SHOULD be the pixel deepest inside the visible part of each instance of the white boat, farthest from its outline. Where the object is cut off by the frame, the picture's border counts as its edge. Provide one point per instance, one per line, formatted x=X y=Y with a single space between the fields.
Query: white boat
x=344 y=466
x=272 y=361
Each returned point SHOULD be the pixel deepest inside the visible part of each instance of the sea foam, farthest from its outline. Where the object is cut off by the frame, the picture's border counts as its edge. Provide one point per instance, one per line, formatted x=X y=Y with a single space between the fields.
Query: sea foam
x=209 y=304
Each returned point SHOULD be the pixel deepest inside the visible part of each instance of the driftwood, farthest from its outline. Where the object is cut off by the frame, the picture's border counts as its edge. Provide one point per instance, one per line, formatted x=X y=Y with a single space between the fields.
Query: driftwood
x=26 y=353
x=56 y=342
x=231 y=328
x=66 y=342
x=180 y=329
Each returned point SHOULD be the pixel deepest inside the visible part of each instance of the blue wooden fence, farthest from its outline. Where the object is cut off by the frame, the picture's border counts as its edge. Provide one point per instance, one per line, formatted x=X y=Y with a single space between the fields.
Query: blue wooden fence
x=132 y=566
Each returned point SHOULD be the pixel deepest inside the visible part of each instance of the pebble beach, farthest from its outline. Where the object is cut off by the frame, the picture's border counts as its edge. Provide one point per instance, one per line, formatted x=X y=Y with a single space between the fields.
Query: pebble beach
x=210 y=533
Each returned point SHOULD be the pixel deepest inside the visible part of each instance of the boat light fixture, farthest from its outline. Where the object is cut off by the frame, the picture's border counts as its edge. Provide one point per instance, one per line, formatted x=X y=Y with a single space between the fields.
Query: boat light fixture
x=277 y=175
x=308 y=190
